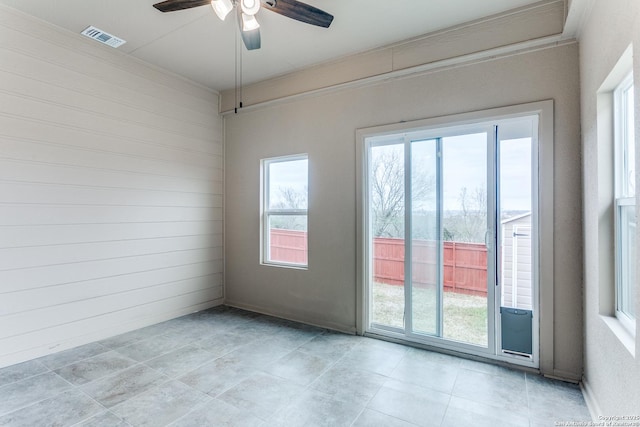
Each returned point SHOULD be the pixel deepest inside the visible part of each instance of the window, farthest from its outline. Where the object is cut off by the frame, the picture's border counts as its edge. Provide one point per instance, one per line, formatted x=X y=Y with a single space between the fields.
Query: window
x=625 y=203
x=284 y=211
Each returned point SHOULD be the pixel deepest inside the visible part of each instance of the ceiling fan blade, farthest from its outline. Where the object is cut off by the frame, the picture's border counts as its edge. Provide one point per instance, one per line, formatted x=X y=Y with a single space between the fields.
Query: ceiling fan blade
x=300 y=12
x=251 y=39
x=173 y=5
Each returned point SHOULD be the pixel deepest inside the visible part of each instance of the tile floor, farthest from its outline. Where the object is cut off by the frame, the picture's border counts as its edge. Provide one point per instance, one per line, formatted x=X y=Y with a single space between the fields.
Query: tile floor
x=227 y=367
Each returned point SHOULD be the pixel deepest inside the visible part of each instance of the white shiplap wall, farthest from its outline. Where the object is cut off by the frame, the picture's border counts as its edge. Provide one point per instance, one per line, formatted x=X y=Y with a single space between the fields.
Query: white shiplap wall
x=111 y=178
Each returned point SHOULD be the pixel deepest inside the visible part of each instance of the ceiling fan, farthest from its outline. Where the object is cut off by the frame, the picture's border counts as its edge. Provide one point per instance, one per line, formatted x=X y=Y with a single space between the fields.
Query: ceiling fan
x=247 y=10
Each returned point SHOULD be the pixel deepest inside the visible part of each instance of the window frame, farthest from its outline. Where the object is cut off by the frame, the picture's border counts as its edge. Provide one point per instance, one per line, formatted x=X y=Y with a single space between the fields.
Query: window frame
x=267 y=212
x=623 y=198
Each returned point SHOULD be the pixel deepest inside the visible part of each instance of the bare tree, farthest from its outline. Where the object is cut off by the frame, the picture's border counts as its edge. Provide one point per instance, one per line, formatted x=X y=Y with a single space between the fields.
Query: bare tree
x=387 y=198
x=387 y=191
x=387 y=194
x=290 y=198
x=470 y=223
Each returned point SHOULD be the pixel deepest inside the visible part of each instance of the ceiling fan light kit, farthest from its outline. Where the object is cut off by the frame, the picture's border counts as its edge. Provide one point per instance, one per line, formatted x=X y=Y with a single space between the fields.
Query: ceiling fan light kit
x=222 y=8
x=249 y=22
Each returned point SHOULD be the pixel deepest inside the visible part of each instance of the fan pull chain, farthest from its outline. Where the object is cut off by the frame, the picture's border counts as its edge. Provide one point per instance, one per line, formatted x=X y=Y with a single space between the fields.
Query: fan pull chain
x=236 y=70
x=240 y=48
x=238 y=64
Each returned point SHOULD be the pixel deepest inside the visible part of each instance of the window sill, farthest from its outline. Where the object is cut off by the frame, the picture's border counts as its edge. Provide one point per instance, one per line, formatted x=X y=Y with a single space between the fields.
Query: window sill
x=622 y=333
x=284 y=265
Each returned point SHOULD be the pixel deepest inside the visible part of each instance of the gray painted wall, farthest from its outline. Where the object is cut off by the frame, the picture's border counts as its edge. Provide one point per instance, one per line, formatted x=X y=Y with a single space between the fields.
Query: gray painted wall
x=324 y=126
x=612 y=373
x=536 y=21
x=110 y=192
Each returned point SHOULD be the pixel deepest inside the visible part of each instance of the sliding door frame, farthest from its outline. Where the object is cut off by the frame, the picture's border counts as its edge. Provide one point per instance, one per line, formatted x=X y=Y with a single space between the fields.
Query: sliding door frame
x=543 y=190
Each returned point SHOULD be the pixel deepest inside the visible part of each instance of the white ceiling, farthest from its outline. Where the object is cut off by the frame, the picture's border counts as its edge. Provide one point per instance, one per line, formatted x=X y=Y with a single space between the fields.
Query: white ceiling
x=196 y=44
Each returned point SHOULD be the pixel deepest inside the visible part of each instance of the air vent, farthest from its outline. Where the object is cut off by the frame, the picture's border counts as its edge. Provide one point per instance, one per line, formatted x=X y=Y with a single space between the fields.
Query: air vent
x=103 y=37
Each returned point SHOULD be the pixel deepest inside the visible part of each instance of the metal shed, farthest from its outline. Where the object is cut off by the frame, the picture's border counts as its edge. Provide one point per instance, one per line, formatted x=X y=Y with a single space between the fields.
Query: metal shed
x=516 y=274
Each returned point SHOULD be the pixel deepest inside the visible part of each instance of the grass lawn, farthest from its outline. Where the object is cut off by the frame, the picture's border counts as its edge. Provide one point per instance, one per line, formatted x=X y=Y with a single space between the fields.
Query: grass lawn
x=465 y=316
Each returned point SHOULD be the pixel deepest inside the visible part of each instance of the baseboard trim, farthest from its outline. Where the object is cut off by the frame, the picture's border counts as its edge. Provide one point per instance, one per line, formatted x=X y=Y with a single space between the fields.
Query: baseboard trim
x=351 y=330
x=566 y=376
x=590 y=399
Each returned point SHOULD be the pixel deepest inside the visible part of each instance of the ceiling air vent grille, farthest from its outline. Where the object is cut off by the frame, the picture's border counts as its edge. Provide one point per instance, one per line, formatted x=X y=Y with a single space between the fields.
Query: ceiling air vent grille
x=103 y=37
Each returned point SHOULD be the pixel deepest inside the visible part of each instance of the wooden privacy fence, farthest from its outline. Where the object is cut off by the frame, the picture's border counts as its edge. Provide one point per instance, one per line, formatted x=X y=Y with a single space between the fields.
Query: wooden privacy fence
x=465 y=264
x=288 y=246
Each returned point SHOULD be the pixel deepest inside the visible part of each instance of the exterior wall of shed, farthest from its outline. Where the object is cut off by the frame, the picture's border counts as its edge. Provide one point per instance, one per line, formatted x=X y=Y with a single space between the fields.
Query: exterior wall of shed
x=524 y=295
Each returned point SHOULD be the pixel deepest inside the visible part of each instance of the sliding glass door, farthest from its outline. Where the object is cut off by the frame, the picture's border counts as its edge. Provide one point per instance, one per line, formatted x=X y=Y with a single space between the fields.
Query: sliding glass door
x=435 y=233
x=422 y=270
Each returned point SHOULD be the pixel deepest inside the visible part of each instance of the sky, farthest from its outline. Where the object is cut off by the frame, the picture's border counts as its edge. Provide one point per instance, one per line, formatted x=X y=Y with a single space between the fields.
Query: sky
x=464 y=165
x=288 y=174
